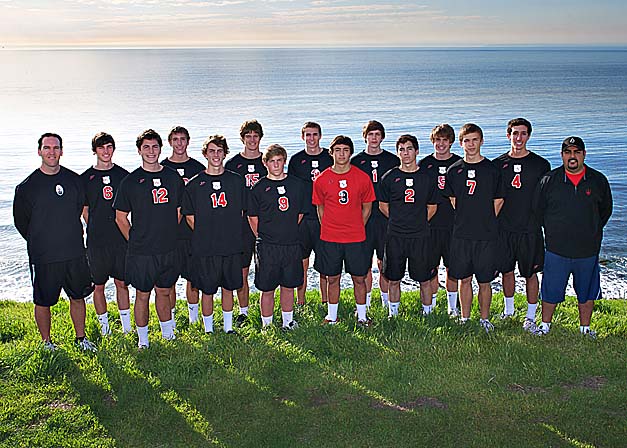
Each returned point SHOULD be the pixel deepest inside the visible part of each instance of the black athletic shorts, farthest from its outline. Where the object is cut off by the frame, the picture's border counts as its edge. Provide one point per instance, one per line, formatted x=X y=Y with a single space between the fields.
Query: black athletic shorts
x=399 y=251
x=145 y=272
x=309 y=233
x=217 y=271
x=107 y=262
x=184 y=252
x=249 y=246
x=354 y=256
x=476 y=257
x=526 y=249
x=441 y=245
x=376 y=231
x=48 y=279
x=277 y=265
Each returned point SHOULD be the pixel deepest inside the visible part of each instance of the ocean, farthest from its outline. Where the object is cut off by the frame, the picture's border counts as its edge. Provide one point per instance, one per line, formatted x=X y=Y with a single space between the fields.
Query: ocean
x=76 y=93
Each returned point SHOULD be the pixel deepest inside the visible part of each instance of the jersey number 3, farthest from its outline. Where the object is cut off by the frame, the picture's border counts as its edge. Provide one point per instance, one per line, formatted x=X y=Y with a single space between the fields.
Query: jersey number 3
x=218 y=201
x=343 y=194
x=516 y=182
x=159 y=195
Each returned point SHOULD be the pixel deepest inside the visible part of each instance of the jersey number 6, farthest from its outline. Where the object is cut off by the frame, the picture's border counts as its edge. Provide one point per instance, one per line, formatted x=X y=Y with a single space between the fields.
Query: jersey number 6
x=107 y=192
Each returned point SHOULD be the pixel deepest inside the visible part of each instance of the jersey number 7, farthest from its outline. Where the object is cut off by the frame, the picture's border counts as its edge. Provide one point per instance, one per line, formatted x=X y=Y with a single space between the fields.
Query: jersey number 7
x=471 y=184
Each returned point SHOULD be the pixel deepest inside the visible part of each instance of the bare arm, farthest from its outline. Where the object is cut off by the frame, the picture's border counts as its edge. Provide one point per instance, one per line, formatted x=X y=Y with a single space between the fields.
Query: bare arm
x=300 y=217
x=121 y=219
x=366 y=208
x=85 y=213
x=178 y=214
x=452 y=199
x=385 y=208
x=320 y=211
x=190 y=221
x=431 y=210
x=498 y=205
x=254 y=224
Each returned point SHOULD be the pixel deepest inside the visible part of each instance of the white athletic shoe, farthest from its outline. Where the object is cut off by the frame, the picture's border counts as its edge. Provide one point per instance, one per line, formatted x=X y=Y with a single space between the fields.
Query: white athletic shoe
x=293 y=325
x=486 y=325
x=86 y=345
x=105 y=330
x=454 y=313
x=50 y=346
x=530 y=326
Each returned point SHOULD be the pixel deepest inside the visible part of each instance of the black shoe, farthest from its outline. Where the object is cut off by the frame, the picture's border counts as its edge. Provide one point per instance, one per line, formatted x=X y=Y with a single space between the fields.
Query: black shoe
x=241 y=320
x=231 y=332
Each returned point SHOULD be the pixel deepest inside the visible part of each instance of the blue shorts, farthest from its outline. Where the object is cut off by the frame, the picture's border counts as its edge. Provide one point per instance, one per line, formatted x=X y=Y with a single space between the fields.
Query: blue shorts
x=557 y=270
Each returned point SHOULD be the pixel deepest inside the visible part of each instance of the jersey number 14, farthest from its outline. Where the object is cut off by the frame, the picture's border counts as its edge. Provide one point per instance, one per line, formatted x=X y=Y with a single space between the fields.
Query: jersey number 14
x=218 y=200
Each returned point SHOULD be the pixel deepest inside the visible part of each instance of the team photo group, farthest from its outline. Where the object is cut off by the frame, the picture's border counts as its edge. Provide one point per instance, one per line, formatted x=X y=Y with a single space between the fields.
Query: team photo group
x=208 y=222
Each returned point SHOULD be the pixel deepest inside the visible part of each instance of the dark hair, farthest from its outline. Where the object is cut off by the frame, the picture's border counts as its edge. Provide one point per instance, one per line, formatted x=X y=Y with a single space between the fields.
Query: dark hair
x=341 y=140
x=443 y=130
x=178 y=130
x=101 y=139
x=518 y=122
x=373 y=125
x=310 y=124
x=407 y=138
x=49 y=134
x=469 y=128
x=217 y=140
x=250 y=126
x=148 y=134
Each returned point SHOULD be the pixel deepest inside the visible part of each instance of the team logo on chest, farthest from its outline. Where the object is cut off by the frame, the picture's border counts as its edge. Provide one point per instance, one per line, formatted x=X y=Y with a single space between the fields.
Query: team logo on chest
x=517 y=168
x=181 y=171
x=343 y=183
x=156 y=182
x=409 y=182
x=106 y=180
x=59 y=189
x=471 y=174
x=442 y=170
x=251 y=168
x=280 y=189
x=314 y=164
x=216 y=185
x=374 y=164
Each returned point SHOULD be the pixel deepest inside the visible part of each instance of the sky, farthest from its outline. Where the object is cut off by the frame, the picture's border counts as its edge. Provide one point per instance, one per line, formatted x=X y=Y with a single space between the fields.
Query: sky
x=316 y=23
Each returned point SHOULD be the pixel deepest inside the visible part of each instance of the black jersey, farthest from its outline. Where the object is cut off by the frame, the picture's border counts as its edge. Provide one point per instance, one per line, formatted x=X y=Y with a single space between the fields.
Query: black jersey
x=153 y=200
x=186 y=170
x=408 y=195
x=277 y=204
x=375 y=167
x=520 y=178
x=100 y=189
x=307 y=167
x=47 y=213
x=444 y=217
x=474 y=186
x=250 y=169
x=217 y=204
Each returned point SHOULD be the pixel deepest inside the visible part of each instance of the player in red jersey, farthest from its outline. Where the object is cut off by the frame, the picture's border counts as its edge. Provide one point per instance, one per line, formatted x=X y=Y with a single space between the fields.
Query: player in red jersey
x=343 y=195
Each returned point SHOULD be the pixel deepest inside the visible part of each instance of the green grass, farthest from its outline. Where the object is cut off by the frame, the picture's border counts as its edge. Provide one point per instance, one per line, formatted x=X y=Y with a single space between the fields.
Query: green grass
x=413 y=381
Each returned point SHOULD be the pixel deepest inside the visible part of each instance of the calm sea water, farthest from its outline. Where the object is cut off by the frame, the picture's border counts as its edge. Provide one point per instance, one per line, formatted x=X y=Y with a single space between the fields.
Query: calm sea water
x=80 y=92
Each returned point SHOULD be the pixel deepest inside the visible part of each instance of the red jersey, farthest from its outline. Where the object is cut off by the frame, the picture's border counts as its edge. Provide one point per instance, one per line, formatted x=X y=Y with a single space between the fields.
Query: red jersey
x=342 y=196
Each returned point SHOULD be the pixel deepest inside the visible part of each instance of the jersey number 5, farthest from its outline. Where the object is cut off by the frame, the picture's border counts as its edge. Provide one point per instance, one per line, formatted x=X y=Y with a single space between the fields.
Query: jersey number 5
x=218 y=201
x=441 y=182
x=159 y=195
x=471 y=184
x=409 y=195
x=516 y=182
x=107 y=192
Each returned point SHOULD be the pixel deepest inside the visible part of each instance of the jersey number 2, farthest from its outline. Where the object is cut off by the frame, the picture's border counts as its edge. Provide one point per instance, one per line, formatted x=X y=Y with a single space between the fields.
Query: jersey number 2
x=159 y=195
x=218 y=201
x=409 y=195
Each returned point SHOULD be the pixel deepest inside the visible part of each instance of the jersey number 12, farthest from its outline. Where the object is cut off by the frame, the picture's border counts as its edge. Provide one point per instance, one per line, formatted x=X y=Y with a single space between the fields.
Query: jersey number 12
x=159 y=195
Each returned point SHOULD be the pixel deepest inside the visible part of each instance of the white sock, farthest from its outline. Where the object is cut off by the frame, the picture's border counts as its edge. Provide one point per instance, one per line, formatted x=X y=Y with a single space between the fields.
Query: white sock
x=332 y=311
x=125 y=317
x=167 y=329
x=103 y=319
x=142 y=333
x=509 y=305
x=288 y=317
x=394 y=308
x=531 y=311
x=584 y=329
x=173 y=312
x=243 y=310
x=384 y=299
x=434 y=298
x=361 y=312
x=192 y=308
x=463 y=320
x=368 y=298
x=426 y=309
x=227 y=316
x=545 y=326
x=452 y=300
x=208 y=323
x=265 y=321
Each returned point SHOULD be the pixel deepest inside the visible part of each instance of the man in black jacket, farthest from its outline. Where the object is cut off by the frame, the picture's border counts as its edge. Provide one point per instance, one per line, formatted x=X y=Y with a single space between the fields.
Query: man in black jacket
x=574 y=203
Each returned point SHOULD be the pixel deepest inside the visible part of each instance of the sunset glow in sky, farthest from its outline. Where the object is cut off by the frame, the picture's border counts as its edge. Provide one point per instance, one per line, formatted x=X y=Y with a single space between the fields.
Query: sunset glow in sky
x=317 y=23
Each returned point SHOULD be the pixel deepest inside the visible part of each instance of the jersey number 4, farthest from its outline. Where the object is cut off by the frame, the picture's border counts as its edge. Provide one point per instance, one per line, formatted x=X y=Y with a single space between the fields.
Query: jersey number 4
x=471 y=184
x=107 y=192
x=218 y=201
x=409 y=195
x=159 y=195
x=516 y=182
